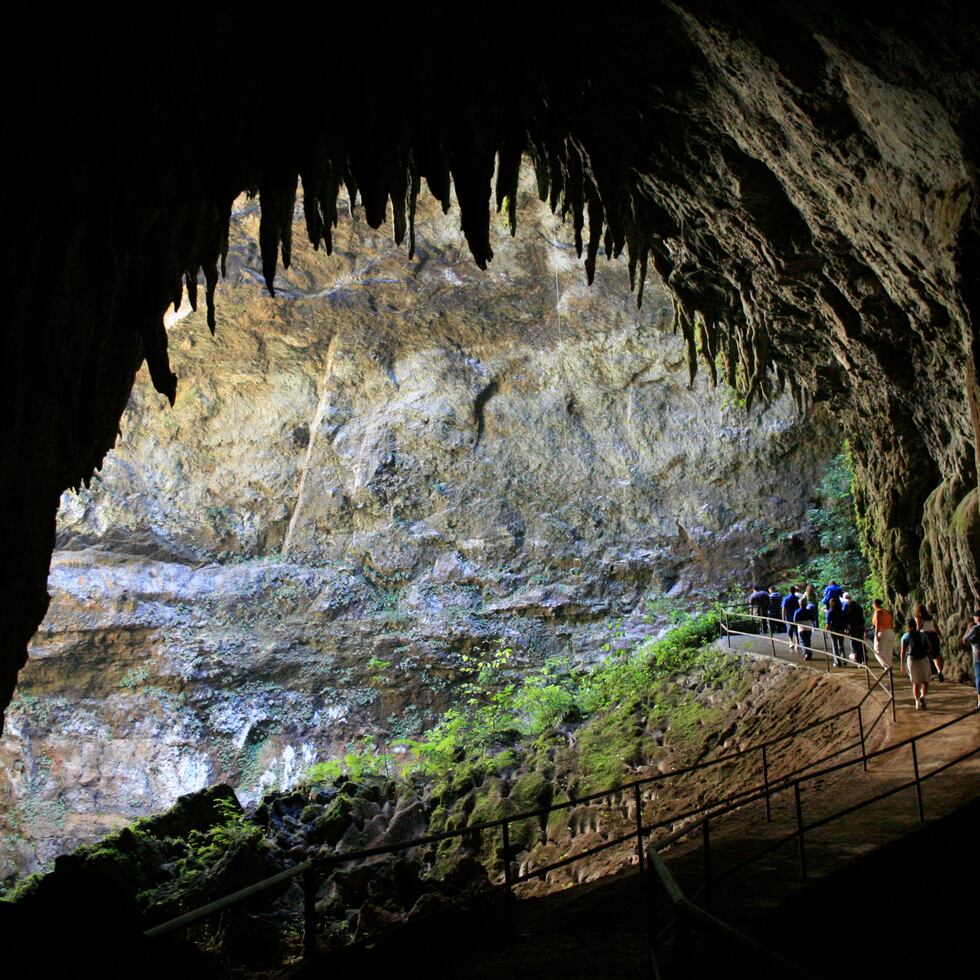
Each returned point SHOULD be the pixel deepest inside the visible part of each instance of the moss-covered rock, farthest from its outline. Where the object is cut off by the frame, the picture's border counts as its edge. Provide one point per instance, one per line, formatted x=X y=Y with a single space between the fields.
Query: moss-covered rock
x=334 y=821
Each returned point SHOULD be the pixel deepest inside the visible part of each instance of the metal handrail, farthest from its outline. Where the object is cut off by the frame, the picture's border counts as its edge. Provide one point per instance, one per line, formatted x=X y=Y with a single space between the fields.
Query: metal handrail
x=685 y=909
x=736 y=611
x=312 y=869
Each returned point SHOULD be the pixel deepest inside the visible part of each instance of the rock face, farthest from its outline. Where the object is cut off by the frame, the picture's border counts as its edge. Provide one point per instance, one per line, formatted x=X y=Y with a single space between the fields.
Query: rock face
x=804 y=179
x=390 y=462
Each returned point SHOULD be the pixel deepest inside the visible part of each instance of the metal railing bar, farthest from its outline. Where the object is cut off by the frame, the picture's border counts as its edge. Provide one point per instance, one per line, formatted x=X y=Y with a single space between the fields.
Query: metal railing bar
x=713 y=924
x=822 y=821
x=732 y=802
x=949 y=764
x=866 y=666
x=188 y=918
x=723 y=929
x=782 y=622
x=848 y=663
x=881 y=752
x=724 y=806
x=572 y=858
x=674 y=892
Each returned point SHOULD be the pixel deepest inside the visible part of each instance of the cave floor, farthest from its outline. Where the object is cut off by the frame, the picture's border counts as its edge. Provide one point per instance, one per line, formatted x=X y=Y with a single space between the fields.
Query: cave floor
x=858 y=867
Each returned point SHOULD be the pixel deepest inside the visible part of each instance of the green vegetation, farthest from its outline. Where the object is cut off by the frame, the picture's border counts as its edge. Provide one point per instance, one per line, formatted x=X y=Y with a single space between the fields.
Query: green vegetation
x=498 y=709
x=842 y=555
x=362 y=759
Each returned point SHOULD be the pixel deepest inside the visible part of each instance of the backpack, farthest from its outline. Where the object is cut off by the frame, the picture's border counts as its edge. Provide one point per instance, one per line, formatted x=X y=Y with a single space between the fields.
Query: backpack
x=918 y=648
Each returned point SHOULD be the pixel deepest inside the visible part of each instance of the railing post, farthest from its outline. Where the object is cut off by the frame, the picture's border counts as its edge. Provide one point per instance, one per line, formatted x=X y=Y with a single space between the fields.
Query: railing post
x=728 y=632
x=918 y=783
x=508 y=873
x=682 y=937
x=772 y=637
x=867 y=672
x=799 y=829
x=765 y=783
x=652 y=897
x=891 y=685
x=864 y=753
x=310 y=877
x=638 y=804
x=706 y=841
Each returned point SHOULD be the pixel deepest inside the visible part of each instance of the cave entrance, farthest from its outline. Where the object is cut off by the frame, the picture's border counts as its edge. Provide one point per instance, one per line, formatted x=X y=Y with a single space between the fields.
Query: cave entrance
x=395 y=461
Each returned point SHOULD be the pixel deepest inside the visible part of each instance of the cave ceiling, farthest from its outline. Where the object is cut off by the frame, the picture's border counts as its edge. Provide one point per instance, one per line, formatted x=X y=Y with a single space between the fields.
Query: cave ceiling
x=803 y=180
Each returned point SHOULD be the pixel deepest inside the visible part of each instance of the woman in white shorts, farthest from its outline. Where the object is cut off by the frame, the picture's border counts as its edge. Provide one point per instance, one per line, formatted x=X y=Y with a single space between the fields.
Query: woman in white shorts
x=884 y=630
x=915 y=653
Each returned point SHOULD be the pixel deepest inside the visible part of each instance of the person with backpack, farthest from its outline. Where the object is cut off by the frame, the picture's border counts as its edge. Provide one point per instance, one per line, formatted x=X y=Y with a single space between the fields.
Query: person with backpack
x=789 y=607
x=926 y=622
x=915 y=656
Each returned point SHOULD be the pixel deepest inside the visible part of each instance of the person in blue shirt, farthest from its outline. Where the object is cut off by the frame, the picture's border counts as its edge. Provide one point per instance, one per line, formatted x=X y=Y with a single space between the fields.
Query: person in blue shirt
x=833 y=591
x=790 y=605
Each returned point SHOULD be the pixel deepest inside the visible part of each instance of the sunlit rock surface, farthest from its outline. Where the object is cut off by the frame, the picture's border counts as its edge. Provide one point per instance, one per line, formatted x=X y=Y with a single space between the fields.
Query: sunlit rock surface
x=390 y=459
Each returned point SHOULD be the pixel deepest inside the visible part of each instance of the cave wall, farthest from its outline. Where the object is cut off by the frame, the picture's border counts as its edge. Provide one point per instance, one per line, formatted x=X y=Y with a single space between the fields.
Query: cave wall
x=403 y=460
x=804 y=181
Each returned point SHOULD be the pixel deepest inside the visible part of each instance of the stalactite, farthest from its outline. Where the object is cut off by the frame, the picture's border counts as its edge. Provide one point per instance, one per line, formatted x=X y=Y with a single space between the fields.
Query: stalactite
x=575 y=195
x=644 y=254
x=595 y=230
x=509 y=158
x=472 y=172
x=413 y=196
x=190 y=277
x=154 y=337
x=210 y=268
x=542 y=171
x=731 y=360
x=399 y=181
x=434 y=167
x=329 y=189
x=277 y=197
x=707 y=348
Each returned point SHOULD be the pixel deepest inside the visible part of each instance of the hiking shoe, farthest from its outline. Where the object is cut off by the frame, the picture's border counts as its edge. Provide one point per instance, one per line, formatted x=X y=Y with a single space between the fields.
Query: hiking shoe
x=923 y=704
x=918 y=705
x=941 y=678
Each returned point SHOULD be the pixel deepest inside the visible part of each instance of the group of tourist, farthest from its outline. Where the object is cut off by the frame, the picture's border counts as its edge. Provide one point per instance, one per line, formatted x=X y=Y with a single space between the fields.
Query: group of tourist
x=920 y=650
x=797 y=614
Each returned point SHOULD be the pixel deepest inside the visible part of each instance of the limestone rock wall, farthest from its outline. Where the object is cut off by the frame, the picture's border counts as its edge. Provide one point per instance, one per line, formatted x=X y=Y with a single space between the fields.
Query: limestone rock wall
x=803 y=178
x=389 y=459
